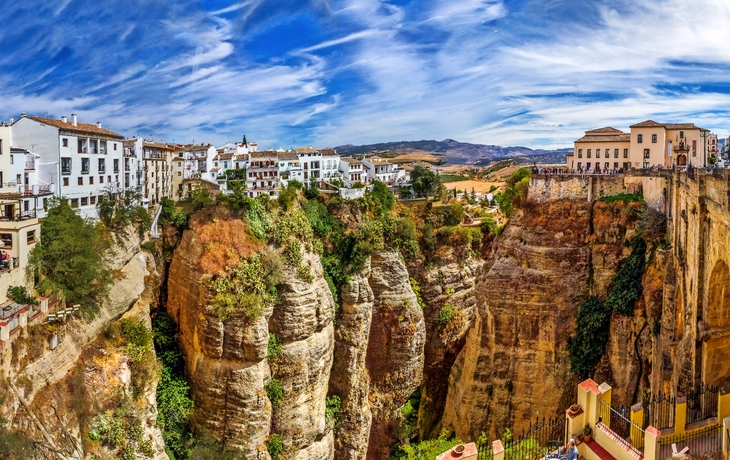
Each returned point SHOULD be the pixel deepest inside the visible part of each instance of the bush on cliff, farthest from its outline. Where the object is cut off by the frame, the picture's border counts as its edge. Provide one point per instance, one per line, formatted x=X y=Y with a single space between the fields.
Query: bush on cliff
x=13 y=446
x=70 y=257
x=517 y=186
x=626 y=284
x=592 y=331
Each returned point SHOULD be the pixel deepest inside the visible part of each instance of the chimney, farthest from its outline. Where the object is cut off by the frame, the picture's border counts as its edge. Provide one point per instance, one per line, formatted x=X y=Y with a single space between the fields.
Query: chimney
x=98 y=124
x=22 y=114
x=12 y=120
x=64 y=119
x=73 y=119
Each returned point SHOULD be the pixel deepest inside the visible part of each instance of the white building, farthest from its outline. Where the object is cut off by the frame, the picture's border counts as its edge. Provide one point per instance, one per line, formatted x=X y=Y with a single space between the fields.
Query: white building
x=352 y=171
x=383 y=170
x=262 y=175
x=330 y=164
x=75 y=160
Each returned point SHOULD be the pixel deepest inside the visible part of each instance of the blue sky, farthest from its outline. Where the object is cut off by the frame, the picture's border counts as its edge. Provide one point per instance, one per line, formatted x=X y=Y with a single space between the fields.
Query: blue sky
x=288 y=72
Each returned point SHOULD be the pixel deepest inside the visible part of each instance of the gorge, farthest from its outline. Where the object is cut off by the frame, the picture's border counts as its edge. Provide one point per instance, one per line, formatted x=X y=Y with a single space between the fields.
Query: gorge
x=379 y=304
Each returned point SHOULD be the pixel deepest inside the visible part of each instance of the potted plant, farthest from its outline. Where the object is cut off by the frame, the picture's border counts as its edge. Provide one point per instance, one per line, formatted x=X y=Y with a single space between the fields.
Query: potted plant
x=587 y=432
x=573 y=410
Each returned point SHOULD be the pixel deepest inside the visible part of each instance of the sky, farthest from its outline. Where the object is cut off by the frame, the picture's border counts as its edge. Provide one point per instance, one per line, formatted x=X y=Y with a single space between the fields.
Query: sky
x=291 y=73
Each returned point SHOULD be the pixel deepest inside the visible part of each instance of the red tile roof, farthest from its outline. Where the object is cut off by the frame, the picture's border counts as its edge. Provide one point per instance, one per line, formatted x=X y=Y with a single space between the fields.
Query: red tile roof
x=80 y=127
x=648 y=124
x=606 y=130
x=625 y=137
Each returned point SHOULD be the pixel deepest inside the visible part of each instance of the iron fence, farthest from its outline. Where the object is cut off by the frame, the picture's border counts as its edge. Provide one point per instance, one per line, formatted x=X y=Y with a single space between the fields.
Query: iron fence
x=705 y=441
x=702 y=403
x=540 y=438
x=484 y=449
x=618 y=420
x=659 y=411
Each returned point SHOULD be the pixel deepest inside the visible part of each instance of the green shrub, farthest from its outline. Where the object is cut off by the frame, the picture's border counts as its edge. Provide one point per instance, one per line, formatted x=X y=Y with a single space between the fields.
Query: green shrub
x=417 y=290
x=20 y=295
x=446 y=314
x=169 y=215
x=119 y=208
x=334 y=403
x=592 y=332
x=626 y=284
x=275 y=347
x=428 y=449
x=517 y=186
x=249 y=286
x=275 y=391
x=275 y=446
x=625 y=197
x=149 y=246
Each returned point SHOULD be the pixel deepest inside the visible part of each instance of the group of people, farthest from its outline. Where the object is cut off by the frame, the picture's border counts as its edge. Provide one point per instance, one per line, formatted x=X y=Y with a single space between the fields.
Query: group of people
x=598 y=171
x=5 y=260
x=546 y=171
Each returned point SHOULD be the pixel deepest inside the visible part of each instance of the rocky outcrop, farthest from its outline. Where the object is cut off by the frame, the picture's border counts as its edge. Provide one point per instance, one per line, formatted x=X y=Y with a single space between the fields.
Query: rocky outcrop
x=515 y=362
x=227 y=360
x=53 y=393
x=394 y=358
x=450 y=284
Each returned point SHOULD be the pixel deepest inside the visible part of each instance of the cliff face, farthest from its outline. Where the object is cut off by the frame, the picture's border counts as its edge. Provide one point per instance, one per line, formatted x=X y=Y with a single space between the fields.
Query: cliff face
x=515 y=363
x=54 y=396
x=227 y=360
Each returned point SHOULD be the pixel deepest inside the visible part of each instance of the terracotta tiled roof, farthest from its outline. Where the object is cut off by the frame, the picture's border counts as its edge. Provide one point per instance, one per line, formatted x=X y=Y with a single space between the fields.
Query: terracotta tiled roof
x=351 y=160
x=681 y=126
x=242 y=157
x=306 y=150
x=224 y=156
x=328 y=153
x=606 y=130
x=214 y=169
x=288 y=156
x=129 y=142
x=264 y=154
x=80 y=127
x=626 y=137
x=193 y=147
x=648 y=124
x=178 y=159
x=157 y=145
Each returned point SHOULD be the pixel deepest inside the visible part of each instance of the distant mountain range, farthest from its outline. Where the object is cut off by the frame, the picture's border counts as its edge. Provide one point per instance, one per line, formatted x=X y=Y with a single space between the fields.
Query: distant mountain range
x=456 y=152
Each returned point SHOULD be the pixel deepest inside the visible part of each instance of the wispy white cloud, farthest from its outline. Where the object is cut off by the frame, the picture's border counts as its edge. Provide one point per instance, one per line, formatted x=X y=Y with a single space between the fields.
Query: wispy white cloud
x=339 y=41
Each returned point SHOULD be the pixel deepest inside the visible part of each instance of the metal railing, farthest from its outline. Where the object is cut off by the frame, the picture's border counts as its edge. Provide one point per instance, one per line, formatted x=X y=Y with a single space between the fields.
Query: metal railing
x=484 y=449
x=705 y=441
x=618 y=420
x=660 y=411
x=702 y=403
x=542 y=437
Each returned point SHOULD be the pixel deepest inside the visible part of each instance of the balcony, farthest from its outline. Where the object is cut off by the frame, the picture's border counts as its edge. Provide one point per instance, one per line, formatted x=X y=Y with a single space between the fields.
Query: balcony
x=84 y=170
x=33 y=190
x=682 y=147
x=102 y=169
x=65 y=169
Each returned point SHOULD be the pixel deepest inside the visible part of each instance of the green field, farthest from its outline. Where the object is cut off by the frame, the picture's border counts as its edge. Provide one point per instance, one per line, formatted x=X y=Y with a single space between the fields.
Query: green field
x=452 y=178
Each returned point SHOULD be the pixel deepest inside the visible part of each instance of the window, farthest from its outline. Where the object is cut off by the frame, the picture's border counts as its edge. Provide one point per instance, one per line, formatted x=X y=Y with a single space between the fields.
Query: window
x=647 y=165
x=102 y=165
x=75 y=203
x=115 y=146
x=26 y=205
x=85 y=165
x=84 y=201
x=116 y=165
x=66 y=165
x=91 y=180
x=646 y=153
x=653 y=138
x=588 y=165
x=588 y=153
x=579 y=165
x=101 y=179
x=65 y=142
x=626 y=153
x=681 y=134
x=81 y=181
x=179 y=173
x=92 y=200
x=65 y=181
x=615 y=155
x=7 y=239
x=640 y=138
x=615 y=165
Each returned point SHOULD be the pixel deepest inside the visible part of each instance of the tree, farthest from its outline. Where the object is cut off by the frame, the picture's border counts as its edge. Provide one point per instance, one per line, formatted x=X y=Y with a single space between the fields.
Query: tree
x=118 y=208
x=70 y=257
x=424 y=180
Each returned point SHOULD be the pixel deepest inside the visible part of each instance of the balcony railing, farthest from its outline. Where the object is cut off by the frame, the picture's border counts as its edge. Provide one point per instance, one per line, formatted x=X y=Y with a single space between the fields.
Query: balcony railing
x=17 y=216
x=32 y=190
x=65 y=169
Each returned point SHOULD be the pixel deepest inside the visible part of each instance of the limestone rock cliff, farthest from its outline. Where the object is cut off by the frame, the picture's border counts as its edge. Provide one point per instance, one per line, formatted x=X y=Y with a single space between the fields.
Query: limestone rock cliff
x=227 y=360
x=515 y=363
